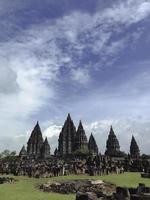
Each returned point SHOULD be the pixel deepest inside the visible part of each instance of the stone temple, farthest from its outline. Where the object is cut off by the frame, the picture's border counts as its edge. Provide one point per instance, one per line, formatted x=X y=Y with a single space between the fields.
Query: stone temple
x=66 y=145
x=134 y=149
x=92 y=146
x=36 y=146
x=112 y=144
x=80 y=138
x=72 y=141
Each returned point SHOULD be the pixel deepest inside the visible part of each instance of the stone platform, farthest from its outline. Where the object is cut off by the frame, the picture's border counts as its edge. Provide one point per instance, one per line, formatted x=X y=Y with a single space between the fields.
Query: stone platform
x=72 y=187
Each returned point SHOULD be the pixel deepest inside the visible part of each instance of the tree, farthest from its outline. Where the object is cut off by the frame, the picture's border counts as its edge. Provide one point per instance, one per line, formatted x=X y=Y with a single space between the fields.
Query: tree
x=7 y=154
x=81 y=152
x=13 y=153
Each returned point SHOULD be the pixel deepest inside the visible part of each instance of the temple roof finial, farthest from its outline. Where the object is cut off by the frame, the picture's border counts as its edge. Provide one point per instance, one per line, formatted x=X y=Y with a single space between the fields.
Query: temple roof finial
x=69 y=116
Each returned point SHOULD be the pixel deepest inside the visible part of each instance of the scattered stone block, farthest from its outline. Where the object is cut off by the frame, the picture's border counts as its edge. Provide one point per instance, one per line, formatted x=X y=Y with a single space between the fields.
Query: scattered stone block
x=86 y=196
x=122 y=193
x=97 y=182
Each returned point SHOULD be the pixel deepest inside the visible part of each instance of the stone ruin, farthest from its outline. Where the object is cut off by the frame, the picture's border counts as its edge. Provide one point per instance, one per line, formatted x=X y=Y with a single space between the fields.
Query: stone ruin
x=140 y=193
x=97 y=190
x=4 y=180
x=97 y=187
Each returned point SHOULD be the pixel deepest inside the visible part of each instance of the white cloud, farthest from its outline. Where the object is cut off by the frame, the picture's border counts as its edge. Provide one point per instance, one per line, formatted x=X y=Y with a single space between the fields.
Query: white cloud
x=32 y=61
x=80 y=75
x=32 y=94
x=8 y=83
x=127 y=12
x=52 y=130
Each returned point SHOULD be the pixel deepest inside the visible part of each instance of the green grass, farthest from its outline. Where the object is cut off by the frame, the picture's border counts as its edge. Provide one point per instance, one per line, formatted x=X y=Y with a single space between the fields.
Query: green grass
x=26 y=188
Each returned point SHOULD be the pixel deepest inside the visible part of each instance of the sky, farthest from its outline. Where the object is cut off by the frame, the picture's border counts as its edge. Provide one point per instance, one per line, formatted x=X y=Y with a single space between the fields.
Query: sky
x=89 y=58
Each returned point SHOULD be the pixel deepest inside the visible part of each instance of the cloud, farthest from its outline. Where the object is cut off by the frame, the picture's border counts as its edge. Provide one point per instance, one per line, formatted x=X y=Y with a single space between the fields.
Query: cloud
x=8 y=83
x=52 y=130
x=127 y=12
x=80 y=75
x=31 y=95
x=6 y=8
x=75 y=44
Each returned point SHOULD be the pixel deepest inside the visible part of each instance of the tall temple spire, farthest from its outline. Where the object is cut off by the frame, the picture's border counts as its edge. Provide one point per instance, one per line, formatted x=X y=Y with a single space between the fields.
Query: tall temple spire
x=134 y=149
x=35 y=142
x=81 y=139
x=66 y=137
x=112 y=144
x=92 y=146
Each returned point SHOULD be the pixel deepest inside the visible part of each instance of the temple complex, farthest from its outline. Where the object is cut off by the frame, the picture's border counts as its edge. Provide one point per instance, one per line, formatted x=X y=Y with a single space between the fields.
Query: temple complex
x=75 y=155
x=112 y=144
x=72 y=142
x=134 y=149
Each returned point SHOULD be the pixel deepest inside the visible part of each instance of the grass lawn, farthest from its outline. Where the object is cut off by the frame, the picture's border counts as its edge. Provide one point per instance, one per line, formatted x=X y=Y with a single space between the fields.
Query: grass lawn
x=26 y=189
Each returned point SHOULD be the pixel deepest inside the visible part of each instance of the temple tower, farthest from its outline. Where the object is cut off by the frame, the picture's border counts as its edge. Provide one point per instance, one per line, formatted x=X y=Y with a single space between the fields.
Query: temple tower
x=92 y=146
x=134 y=149
x=56 y=152
x=112 y=144
x=45 y=150
x=35 y=142
x=66 y=138
x=81 y=139
x=23 y=152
